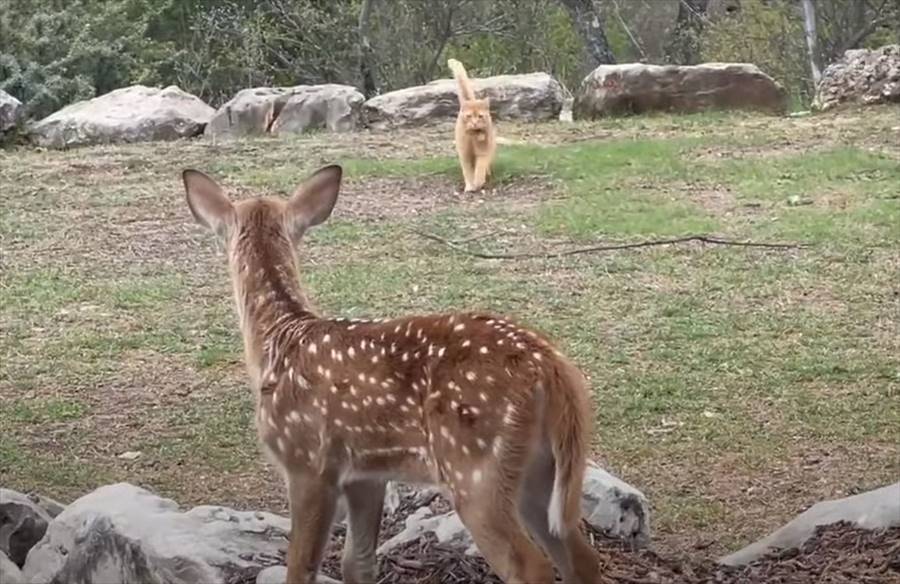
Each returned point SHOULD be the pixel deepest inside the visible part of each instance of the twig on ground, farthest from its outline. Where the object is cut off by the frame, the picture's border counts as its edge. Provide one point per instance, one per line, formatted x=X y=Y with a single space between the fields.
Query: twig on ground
x=457 y=246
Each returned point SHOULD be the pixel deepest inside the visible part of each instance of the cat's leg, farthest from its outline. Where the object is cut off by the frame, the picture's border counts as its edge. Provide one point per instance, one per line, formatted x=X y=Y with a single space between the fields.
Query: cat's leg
x=482 y=167
x=468 y=163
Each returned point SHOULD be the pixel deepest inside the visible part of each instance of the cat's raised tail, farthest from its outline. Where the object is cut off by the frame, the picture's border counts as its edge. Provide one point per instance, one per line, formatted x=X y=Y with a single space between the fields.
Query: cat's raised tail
x=462 y=80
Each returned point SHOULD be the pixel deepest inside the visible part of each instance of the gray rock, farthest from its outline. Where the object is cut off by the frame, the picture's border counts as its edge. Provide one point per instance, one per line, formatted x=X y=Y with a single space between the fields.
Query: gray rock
x=130 y=114
x=615 y=507
x=278 y=575
x=636 y=88
x=871 y=510
x=287 y=110
x=447 y=528
x=861 y=76
x=122 y=533
x=9 y=572
x=22 y=524
x=531 y=97
x=330 y=107
x=50 y=506
x=10 y=112
x=249 y=113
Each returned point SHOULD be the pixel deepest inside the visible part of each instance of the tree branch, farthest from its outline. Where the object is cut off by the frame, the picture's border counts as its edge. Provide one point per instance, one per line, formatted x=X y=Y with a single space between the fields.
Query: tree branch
x=456 y=246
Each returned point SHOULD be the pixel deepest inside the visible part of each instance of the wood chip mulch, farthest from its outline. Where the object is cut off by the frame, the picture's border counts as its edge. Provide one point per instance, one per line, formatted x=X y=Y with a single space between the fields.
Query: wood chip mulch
x=836 y=554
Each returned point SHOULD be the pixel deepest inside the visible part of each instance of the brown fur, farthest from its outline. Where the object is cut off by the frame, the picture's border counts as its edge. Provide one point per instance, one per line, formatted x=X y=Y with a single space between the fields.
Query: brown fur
x=487 y=409
x=475 y=135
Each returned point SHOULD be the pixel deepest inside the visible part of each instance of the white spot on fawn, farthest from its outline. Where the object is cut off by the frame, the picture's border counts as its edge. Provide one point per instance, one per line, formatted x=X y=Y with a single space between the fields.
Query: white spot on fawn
x=471 y=376
x=476 y=476
x=483 y=350
x=313 y=349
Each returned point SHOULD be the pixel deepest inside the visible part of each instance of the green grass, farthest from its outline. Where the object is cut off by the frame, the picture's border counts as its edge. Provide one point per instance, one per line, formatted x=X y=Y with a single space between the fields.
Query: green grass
x=713 y=368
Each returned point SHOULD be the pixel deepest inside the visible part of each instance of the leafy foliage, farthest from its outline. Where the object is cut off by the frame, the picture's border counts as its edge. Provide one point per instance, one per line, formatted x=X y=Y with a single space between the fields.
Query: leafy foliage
x=54 y=52
x=767 y=34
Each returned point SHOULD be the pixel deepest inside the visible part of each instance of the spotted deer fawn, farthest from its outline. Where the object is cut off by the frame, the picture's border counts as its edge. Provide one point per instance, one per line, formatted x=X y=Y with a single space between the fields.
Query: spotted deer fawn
x=486 y=409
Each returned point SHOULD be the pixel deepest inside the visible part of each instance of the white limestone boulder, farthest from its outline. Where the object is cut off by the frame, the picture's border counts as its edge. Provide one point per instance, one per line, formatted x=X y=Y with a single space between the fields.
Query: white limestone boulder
x=870 y=510
x=10 y=112
x=130 y=114
x=123 y=533
x=288 y=110
x=861 y=77
x=637 y=88
x=23 y=522
x=529 y=97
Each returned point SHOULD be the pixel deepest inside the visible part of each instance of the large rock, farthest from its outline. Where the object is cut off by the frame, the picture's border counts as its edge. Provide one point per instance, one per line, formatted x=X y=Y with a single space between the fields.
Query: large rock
x=22 y=524
x=614 y=507
x=531 y=97
x=862 y=76
x=122 y=533
x=130 y=114
x=615 y=90
x=331 y=107
x=871 y=510
x=249 y=113
x=10 y=111
x=9 y=572
x=288 y=110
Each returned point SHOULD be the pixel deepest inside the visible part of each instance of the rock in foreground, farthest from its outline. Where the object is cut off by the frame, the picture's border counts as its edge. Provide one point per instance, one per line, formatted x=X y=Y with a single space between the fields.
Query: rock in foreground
x=22 y=524
x=876 y=509
x=862 y=76
x=531 y=97
x=616 y=90
x=130 y=114
x=122 y=533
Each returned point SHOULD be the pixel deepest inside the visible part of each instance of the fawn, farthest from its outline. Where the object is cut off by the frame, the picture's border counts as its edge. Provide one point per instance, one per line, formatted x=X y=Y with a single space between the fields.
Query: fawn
x=486 y=409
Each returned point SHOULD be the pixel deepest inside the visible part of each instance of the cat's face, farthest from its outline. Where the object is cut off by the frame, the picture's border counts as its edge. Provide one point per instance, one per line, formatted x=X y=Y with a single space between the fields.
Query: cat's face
x=476 y=114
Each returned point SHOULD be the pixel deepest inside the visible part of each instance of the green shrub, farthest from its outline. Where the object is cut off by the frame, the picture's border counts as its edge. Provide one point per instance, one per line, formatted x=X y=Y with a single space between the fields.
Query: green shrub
x=769 y=35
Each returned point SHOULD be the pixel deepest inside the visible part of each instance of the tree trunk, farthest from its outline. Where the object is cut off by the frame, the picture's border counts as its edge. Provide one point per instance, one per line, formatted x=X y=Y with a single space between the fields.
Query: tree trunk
x=589 y=24
x=366 y=66
x=812 y=39
x=684 y=47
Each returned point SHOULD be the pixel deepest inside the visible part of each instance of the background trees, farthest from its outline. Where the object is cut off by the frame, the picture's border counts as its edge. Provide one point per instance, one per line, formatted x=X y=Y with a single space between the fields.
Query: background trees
x=53 y=52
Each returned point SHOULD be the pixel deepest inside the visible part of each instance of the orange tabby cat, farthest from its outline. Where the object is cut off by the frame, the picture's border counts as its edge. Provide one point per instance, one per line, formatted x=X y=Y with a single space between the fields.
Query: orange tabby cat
x=476 y=139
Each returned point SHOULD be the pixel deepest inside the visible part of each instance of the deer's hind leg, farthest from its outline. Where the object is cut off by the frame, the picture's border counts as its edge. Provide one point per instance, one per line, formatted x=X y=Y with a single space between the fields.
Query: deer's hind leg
x=576 y=560
x=492 y=520
x=484 y=465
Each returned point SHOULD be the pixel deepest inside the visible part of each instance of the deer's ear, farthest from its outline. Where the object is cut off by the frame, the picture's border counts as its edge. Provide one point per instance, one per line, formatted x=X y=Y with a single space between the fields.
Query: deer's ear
x=313 y=201
x=209 y=205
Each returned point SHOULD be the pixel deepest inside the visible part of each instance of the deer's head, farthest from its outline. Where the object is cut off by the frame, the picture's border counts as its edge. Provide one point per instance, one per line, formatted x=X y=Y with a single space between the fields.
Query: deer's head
x=272 y=217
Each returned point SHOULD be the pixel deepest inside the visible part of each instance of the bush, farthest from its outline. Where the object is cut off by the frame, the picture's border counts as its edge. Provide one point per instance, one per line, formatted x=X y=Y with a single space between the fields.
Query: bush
x=769 y=35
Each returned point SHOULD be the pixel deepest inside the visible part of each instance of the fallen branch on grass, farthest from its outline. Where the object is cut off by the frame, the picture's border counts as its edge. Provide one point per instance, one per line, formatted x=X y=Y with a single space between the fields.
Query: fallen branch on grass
x=456 y=246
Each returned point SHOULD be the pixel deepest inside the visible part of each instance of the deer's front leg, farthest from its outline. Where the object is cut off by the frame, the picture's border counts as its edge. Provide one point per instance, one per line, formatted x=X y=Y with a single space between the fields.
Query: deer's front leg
x=313 y=500
x=365 y=501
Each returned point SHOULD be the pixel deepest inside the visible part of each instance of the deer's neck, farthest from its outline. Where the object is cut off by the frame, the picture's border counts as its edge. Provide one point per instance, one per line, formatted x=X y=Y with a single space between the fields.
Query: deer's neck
x=271 y=305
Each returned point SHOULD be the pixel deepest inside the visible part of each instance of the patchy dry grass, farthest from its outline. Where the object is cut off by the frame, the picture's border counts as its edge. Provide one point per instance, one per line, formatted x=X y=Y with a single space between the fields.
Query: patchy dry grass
x=735 y=386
